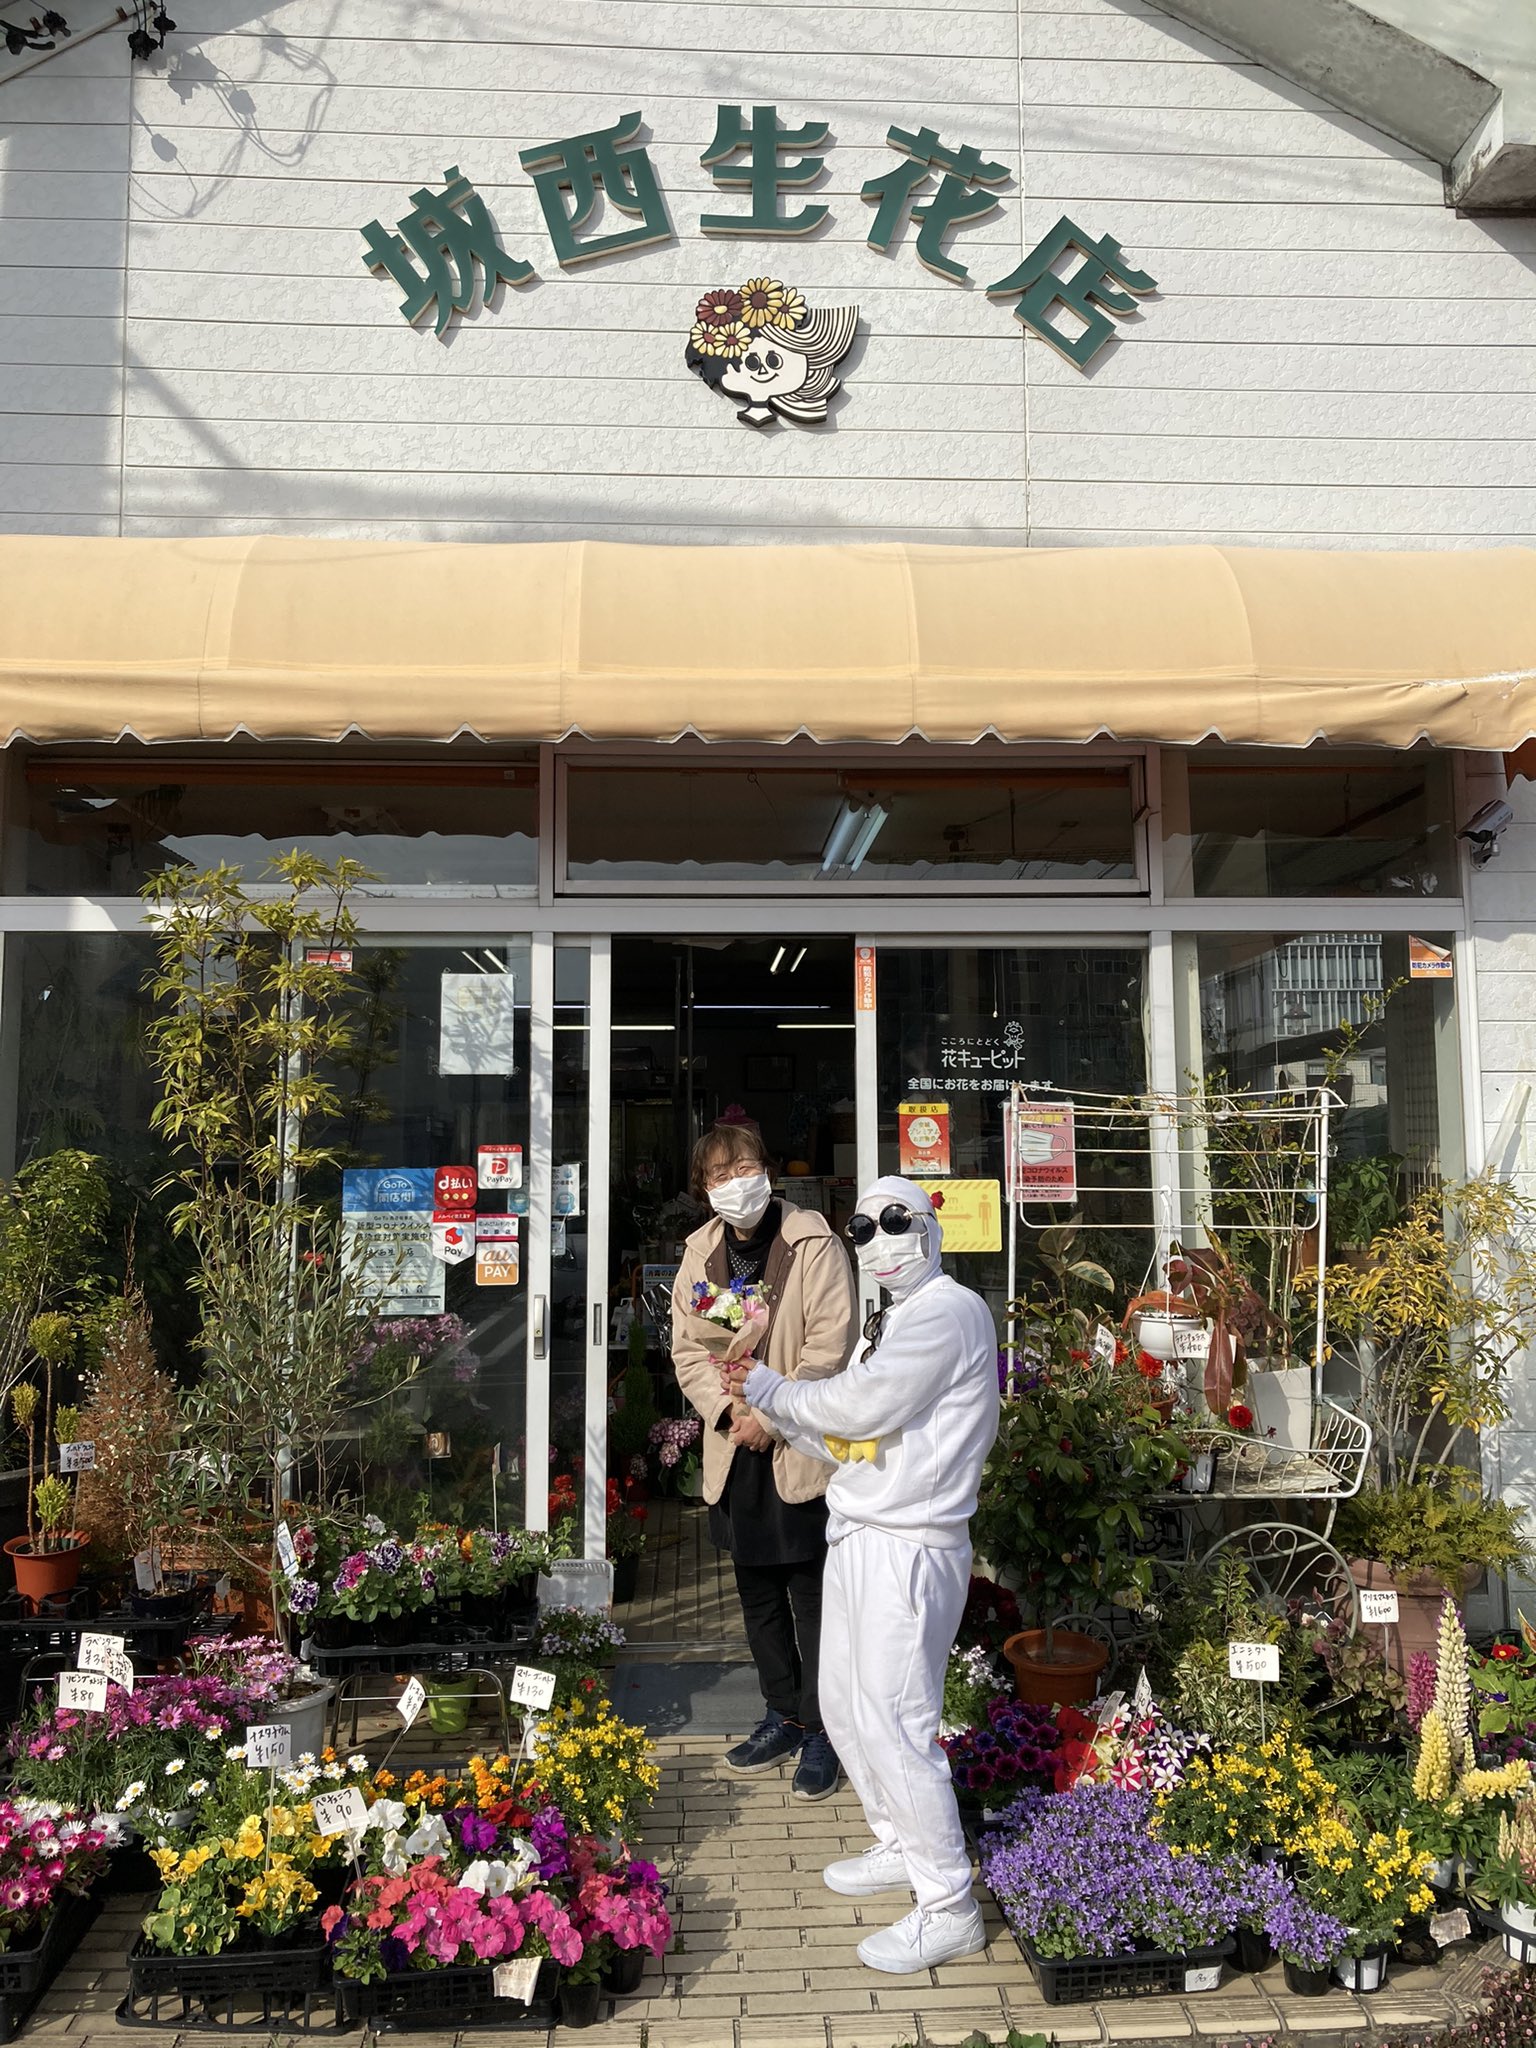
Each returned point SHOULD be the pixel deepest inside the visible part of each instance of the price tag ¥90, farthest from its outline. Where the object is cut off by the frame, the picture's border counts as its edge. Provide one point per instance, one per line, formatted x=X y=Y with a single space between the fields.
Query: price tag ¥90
x=340 y=1812
x=269 y=1747
x=1257 y=1661
x=84 y=1692
x=532 y=1688
x=411 y=1701
x=79 y=1457
x=516 y=1980
x=1379 y=1609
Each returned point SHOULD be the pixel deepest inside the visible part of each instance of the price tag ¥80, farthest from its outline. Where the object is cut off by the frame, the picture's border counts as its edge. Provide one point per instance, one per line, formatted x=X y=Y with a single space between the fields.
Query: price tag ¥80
x=1257 y=1661
x=516 y=1980
x=411 y=1702
x=1378 y=1609
x=84 y=1692
x=532 y=1688
x=79 y=1457
x=269 y=1747
x=340 y=1812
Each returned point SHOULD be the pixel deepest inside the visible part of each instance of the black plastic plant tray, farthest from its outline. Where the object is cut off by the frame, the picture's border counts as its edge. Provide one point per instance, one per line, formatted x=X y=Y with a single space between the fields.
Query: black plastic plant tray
x=1082 y=1980
x=445 y=2001
x=26 y=1973
x=442 y=1658
x=244 y=1990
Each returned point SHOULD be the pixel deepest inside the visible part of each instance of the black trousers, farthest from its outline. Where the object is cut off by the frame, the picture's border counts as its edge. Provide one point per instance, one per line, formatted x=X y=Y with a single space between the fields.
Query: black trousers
x=781 y=1605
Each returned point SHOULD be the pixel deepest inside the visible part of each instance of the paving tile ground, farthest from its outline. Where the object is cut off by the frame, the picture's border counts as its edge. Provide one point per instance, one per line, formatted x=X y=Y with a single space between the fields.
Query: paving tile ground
x=764 y=1956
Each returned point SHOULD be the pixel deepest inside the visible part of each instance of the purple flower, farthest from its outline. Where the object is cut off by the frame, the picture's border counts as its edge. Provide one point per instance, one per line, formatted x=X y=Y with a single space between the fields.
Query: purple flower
x=477 y=1835
x=1304 y=1935
x=548 y=1837
x=354 y=1570
x=428 y=1579
x=389 y=1556
x=302 y=1595
x=501 y=1549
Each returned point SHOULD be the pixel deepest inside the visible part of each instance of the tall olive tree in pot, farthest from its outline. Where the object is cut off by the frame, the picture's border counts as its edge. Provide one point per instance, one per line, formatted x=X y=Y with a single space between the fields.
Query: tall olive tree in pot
x=249 y=1019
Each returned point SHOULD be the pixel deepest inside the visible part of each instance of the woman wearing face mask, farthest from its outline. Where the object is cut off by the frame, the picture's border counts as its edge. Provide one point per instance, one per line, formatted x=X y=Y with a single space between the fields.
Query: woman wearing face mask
x=909 y=1426
x=766 y=1504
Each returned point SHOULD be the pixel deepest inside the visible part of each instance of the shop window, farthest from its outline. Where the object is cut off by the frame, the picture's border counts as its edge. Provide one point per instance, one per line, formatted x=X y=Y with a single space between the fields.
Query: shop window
x=1047 y=825
x=1341 y=1009
x=1314 y=821
x=101 y=826
x=76 y=1074
x=957 y=1027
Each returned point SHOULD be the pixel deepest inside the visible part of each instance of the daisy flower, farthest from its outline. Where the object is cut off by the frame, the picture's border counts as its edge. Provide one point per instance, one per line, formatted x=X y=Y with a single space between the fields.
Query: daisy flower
x=197 y=1788
x=720 y=308
x=177 y=1763
x=791 y=310
x=761 y=298
x=132 y=1796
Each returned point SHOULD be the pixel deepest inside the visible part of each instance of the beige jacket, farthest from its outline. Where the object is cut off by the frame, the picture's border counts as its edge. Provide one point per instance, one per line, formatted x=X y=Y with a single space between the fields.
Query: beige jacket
x=813 y=1321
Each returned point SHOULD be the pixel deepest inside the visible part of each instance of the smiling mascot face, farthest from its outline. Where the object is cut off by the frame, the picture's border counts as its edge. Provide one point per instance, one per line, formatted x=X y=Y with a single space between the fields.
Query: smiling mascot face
x=769 y=368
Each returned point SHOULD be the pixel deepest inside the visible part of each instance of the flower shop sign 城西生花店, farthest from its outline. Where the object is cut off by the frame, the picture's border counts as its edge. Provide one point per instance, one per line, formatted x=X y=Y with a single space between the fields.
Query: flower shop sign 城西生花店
x=436 y=249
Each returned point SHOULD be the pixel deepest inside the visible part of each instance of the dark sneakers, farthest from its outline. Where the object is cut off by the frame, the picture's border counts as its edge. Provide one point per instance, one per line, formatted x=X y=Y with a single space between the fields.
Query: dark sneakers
x=820 y=1773
x=771 y=1741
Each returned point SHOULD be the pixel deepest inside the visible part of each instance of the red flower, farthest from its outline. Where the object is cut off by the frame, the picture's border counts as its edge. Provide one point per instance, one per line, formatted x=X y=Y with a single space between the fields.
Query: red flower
x=1065 y=1446
x=1078 y=1357
x=1149 y=1367
x=718 y=308
x=1507 y=1653
x=1239 y=1416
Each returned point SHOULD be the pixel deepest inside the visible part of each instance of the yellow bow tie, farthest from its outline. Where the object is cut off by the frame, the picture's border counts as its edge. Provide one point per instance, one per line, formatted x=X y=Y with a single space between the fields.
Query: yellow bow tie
x=846 y=1452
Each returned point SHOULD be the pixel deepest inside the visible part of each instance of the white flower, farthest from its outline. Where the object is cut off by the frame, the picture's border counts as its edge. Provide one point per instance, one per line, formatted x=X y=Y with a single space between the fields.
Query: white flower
x=357 y=1763
x=132 y=1796
x=430 y=1837
x=389 y=1815
x=236 y=1752
x=197 y=1788
x=307 y=1758
x=177 y=1763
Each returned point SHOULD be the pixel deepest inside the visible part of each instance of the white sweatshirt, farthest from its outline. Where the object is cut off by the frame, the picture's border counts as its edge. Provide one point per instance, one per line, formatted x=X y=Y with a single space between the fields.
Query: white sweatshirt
x=928 y=1393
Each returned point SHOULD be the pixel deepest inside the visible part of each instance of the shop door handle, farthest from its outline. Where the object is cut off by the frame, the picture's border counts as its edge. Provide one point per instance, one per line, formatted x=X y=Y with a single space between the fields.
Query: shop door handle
x=540 y=1342
x=598 y=1323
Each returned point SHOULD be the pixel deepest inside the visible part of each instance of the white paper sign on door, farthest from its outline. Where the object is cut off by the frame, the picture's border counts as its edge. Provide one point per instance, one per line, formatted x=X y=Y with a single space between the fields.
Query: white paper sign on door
x=565 y=1189
x=479 y=1024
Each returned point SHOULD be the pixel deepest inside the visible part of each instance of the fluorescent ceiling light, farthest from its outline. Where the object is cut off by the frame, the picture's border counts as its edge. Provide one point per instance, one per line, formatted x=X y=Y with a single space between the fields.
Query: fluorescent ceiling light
x=778 y=960
x=772 y=1008
x=816 y=1027
x=854 y=831
x=795 y=963
x=645 y=1027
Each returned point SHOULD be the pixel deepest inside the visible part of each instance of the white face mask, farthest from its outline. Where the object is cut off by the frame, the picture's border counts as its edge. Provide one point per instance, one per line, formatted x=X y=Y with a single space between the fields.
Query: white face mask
x=743 y=1201
x=895 y=1262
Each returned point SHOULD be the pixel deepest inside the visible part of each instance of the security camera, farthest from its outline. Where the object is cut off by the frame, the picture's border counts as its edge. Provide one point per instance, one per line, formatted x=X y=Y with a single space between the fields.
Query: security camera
x=1482 y=830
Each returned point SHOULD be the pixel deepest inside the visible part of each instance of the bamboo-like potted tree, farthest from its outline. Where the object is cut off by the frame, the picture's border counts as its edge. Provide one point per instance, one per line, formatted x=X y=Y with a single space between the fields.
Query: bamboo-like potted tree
x=47 y=1559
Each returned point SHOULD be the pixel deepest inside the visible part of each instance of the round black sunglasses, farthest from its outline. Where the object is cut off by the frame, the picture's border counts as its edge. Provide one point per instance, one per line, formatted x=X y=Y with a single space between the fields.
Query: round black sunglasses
x=895 y=1220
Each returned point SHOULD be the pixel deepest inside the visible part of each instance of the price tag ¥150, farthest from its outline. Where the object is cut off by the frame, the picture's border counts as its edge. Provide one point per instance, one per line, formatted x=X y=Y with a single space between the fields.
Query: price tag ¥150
x=269 y=1747
x=1257 y=1661
x=532 y=1688
x=340 y=1812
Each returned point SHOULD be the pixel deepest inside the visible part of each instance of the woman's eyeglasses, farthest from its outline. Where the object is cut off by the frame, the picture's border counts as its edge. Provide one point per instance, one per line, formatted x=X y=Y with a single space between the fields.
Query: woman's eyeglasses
x=896 y=1219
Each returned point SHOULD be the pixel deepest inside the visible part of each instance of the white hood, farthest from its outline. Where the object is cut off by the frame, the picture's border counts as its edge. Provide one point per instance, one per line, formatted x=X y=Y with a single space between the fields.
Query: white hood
x=909 y=1275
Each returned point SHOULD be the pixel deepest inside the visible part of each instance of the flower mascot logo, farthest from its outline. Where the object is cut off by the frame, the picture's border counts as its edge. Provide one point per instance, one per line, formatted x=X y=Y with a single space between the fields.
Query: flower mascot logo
x=765 y=347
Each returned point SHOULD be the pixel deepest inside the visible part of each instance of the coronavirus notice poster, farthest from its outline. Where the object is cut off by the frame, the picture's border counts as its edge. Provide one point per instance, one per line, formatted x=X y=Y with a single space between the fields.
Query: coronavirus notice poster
x=1042 y=1152
x=386 y=1220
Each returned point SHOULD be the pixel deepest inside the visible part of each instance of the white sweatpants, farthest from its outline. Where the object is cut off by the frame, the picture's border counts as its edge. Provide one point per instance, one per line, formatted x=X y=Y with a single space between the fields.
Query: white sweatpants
x=889 y=1612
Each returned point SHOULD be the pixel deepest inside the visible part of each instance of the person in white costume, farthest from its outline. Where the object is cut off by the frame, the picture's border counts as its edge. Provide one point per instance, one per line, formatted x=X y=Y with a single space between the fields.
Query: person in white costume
x=908 y=1425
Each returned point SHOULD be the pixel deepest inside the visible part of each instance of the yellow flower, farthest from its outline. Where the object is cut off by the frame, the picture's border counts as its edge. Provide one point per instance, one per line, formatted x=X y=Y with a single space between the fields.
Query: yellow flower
x=762 y=298
x=791 y=311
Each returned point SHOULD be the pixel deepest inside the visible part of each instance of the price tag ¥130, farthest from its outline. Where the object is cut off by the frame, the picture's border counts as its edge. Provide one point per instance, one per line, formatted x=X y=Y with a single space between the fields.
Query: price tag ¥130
x=532 y=1688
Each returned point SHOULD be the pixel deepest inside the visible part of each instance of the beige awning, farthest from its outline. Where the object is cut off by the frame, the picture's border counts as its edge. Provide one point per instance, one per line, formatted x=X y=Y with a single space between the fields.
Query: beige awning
x=399 y=640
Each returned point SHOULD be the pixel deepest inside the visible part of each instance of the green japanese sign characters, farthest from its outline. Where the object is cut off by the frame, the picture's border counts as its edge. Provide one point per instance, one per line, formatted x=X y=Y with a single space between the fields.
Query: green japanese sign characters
x=761 y=165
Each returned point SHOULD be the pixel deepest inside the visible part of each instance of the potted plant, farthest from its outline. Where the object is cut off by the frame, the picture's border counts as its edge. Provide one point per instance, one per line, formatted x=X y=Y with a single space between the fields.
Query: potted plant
x=1507 y=1879
x=47 y=1867
x=48 y=1557
x=1243 y=1332
x=1309 y=1942
x=625 y=1540
x=1432 y=1323
x=1371 y=1883
x=277 y=1684
x=1080 y=1455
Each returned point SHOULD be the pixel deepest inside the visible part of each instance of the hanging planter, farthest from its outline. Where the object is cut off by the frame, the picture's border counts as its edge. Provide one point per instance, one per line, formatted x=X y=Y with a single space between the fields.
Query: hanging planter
x=1069 y=1673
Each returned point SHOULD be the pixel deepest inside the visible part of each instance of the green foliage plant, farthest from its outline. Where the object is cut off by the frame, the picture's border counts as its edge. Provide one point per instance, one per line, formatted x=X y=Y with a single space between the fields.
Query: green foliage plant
x=1442 y=1524
x=1079 y=1458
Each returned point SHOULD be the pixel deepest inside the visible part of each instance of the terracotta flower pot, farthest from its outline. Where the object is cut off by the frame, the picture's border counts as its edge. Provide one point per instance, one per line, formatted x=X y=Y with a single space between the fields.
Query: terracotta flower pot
x=45 y=1574
x=1420 y=1596
x=1072 y=1673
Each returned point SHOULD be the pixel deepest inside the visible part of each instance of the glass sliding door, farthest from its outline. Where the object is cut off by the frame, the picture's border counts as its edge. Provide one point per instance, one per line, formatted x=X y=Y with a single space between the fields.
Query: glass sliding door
x=464 y=1130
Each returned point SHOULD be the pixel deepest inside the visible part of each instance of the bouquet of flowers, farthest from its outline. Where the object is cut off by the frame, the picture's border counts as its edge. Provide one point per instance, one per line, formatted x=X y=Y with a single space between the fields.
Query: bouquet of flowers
x=40 y=1860
x=730 y=1322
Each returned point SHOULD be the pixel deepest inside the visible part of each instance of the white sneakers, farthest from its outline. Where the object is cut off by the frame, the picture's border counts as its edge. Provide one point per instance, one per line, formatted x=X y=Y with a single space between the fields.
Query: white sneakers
x=925 y=1939
x=879 y=1869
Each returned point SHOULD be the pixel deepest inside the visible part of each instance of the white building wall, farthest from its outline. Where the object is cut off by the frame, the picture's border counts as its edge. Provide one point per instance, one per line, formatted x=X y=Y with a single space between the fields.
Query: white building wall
x=190 y=343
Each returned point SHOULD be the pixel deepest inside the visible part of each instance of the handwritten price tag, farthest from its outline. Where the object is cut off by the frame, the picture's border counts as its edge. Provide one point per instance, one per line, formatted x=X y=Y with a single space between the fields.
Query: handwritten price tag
x=77 y=1457
x=411 y=1702
x=1110 y=1708
x=1257 y=1661
x=340 y=1812
x=146 y=1569
x=97 y=1653
x=269 y=1747
x=1380 y=1609
x=516 y=1980
x=533 y=1688
x=287 y=1556
x=1191 y=1340
x=84 y=1692
x=1104 y=1345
